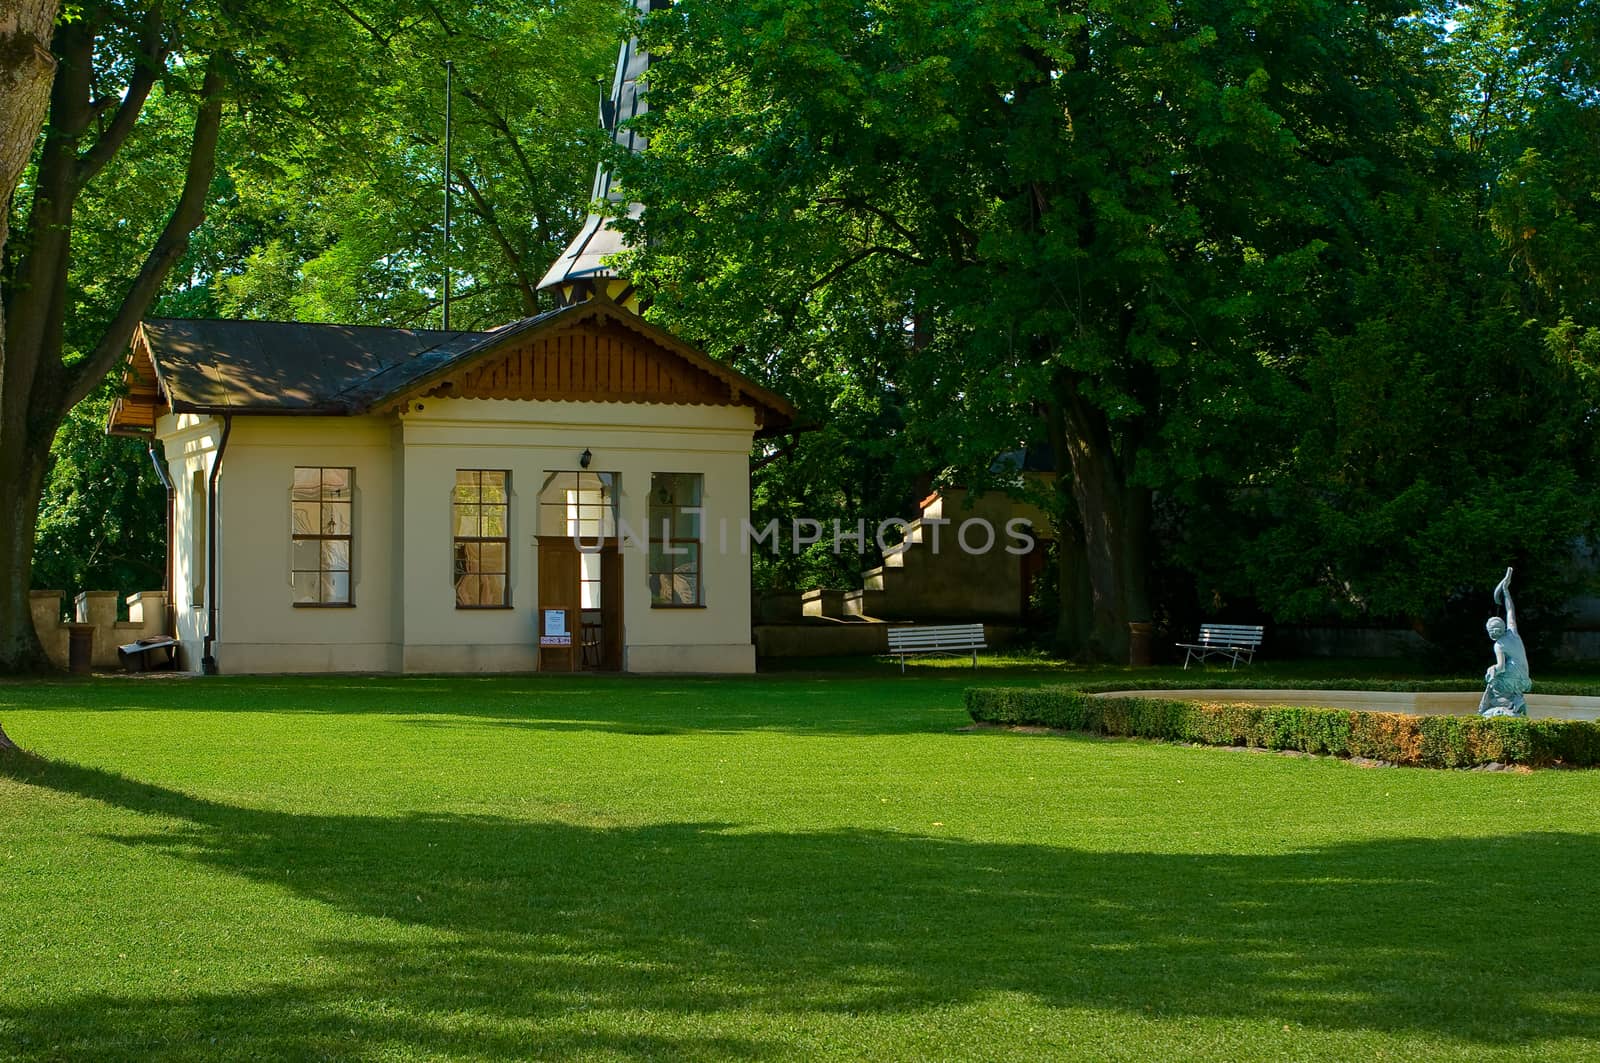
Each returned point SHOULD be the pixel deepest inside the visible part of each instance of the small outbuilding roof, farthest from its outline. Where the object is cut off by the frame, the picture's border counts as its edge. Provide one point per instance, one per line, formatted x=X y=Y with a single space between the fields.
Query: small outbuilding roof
x=275 y=367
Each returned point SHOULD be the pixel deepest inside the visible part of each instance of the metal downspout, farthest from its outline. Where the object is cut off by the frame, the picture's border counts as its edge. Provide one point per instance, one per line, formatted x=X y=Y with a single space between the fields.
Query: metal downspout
x=166 y=571
x=208 y=663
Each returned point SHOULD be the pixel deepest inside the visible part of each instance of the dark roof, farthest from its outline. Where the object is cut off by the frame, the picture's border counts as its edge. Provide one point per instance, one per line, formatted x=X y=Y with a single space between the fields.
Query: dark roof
x=276 y=367
x=280 y=366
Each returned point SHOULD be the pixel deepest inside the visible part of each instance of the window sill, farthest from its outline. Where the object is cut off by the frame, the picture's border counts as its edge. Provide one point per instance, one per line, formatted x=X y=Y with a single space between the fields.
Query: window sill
x=324 y=605
x=485 y=608
x=673 y=605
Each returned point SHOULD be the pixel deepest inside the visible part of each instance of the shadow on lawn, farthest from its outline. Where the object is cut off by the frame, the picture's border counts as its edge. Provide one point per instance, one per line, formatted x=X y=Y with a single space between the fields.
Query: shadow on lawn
x=563 y=939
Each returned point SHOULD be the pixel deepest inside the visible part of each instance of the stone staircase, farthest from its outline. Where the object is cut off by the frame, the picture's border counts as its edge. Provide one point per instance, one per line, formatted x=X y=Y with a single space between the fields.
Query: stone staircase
x=930 y=576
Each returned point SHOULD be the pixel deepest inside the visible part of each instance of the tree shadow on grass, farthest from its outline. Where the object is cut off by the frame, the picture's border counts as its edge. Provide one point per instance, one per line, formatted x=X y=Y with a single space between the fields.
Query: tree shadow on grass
x=1477 y=942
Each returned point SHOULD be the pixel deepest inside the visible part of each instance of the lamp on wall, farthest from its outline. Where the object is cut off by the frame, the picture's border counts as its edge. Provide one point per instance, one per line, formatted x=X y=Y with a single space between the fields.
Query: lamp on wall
x=585 y=458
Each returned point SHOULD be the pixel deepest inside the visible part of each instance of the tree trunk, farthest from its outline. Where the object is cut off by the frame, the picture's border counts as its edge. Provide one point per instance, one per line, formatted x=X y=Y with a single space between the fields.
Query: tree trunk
x=37 y=387
x=5 y=741
x=27 y=69
x=22 y=469
x=1116 y=518
x=1074 y=622
x=1073 y=619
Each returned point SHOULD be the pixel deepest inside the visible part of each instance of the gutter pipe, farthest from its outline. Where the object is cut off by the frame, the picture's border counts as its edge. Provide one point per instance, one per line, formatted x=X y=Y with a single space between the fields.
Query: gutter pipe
x=208 y=663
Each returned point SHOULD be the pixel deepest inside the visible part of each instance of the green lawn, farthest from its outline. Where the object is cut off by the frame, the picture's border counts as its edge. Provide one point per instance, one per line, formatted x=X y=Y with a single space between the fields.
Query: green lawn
x=789 y=866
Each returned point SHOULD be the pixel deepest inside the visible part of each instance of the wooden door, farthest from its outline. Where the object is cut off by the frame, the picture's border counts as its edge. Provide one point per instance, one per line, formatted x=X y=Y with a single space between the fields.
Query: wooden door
x=558 y=589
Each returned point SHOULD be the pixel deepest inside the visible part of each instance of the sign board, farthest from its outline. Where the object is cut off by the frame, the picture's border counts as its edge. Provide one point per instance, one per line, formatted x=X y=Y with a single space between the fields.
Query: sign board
x=554 y=631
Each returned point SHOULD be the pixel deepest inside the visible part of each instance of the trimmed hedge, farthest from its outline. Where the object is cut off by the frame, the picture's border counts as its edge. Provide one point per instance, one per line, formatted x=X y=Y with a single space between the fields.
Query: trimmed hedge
x=1257 y=679
x=1419 y=741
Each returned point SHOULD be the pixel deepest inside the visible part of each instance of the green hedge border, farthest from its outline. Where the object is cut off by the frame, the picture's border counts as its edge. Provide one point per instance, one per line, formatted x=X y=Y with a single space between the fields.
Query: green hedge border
x=1255 y=679
x=1417 y=741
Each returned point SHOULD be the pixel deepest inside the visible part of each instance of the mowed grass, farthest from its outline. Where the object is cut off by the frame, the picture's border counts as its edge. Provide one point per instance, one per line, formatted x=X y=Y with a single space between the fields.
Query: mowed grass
x=787 y=866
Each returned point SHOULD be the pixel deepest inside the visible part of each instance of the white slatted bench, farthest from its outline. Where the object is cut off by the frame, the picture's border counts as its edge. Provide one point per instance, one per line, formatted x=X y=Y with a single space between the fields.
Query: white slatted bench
x=1237 y=642
x=957 y=640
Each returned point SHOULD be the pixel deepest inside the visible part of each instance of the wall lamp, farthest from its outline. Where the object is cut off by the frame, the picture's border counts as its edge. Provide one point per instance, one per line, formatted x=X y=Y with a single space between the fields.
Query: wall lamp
x=585 y=458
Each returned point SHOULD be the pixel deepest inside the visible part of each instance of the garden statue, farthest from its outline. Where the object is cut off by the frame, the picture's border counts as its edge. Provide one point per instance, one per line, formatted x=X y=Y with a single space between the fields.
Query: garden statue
x=1507 y=679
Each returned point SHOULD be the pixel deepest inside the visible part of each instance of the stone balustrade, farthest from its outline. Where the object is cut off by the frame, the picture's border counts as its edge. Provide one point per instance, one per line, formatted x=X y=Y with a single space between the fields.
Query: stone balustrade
x=97 y=611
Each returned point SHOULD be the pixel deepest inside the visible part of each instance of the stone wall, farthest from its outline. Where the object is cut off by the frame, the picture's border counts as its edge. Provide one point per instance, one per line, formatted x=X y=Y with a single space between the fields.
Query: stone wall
x=97 y=610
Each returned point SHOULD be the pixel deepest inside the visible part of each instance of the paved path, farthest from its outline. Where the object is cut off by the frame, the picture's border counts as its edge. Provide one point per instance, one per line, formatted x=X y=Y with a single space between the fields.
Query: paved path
x=1424 y=703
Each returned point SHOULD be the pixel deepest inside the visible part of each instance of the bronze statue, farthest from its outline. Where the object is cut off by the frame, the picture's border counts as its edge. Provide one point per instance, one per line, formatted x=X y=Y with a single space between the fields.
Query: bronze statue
x=1507 y=680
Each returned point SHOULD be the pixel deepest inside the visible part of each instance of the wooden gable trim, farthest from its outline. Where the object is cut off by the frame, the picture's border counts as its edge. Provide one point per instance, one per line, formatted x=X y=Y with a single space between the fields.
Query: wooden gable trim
x=135 y=412
x=596 y=352
x=590 y=361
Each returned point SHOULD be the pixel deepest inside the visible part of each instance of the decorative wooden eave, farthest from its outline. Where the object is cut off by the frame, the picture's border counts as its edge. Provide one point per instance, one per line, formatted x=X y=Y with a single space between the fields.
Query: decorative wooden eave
x=595 y=351
x=144 y=400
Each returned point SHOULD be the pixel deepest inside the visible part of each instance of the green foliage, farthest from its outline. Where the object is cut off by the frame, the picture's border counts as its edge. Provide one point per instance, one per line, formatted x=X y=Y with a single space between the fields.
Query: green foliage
x=340 y=217
x=1418 y=454
x=1277 y=299
x=1320 y=277
x=324 y=206
x=1047 y=215
x=1439 y=423
x=329 y=167
x=102 y=522
x=1418 y=741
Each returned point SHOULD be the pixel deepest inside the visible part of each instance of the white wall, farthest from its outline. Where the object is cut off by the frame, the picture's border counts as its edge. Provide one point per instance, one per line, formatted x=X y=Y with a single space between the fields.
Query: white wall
x=403 y=616
x=259 y=626
x=190 y=445
x=531 y=439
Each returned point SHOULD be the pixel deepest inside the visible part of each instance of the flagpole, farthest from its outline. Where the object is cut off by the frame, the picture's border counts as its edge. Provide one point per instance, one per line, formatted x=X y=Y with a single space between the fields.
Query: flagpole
x=449 y=71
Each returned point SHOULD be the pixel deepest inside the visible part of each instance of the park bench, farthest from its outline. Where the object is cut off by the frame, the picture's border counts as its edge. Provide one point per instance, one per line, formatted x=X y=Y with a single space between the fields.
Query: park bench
x=957 y=640
x=1237 y=642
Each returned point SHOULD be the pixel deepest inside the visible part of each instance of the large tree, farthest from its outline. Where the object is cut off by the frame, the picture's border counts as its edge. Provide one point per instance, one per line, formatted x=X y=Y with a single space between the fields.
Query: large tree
x=107 y=61
x=300 y=227
x=101 y=201
x=319 y=180
x=327 y=234
x=1438 y=420
x=26 y=68
x=1095 y=217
